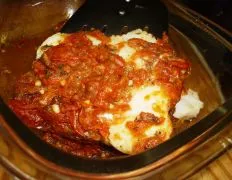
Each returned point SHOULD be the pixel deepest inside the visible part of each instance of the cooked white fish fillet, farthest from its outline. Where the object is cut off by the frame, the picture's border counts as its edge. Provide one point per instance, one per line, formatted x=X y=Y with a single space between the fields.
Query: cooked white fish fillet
x=189 y=106
x=147 y=122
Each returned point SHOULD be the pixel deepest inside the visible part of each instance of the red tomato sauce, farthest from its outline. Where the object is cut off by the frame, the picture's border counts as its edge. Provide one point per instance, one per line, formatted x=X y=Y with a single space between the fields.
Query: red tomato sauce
x=84 y=81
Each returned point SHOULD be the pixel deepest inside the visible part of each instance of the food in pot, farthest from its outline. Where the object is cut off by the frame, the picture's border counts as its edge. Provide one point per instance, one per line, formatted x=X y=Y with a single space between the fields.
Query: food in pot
x=121 y=91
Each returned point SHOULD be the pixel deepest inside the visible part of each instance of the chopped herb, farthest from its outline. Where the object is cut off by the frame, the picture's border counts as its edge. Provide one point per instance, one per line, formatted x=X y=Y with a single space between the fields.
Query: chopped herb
x=48 y=73
x=61 y=69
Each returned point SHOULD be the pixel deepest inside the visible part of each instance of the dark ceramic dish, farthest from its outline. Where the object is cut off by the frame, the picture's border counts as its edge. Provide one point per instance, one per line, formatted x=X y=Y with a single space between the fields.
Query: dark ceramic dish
x=211 y=57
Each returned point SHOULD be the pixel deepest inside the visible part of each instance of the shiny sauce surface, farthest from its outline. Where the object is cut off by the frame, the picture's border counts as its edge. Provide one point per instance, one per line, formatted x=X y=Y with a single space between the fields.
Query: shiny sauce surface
x=75 y=78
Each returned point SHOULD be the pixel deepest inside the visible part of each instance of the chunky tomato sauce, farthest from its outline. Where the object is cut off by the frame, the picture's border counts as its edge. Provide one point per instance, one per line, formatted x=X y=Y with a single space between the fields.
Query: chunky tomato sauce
x=75 y=82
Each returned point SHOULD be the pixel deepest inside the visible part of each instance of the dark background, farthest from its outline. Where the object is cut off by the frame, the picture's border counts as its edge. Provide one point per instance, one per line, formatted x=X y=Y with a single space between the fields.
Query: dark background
x=219 y=11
